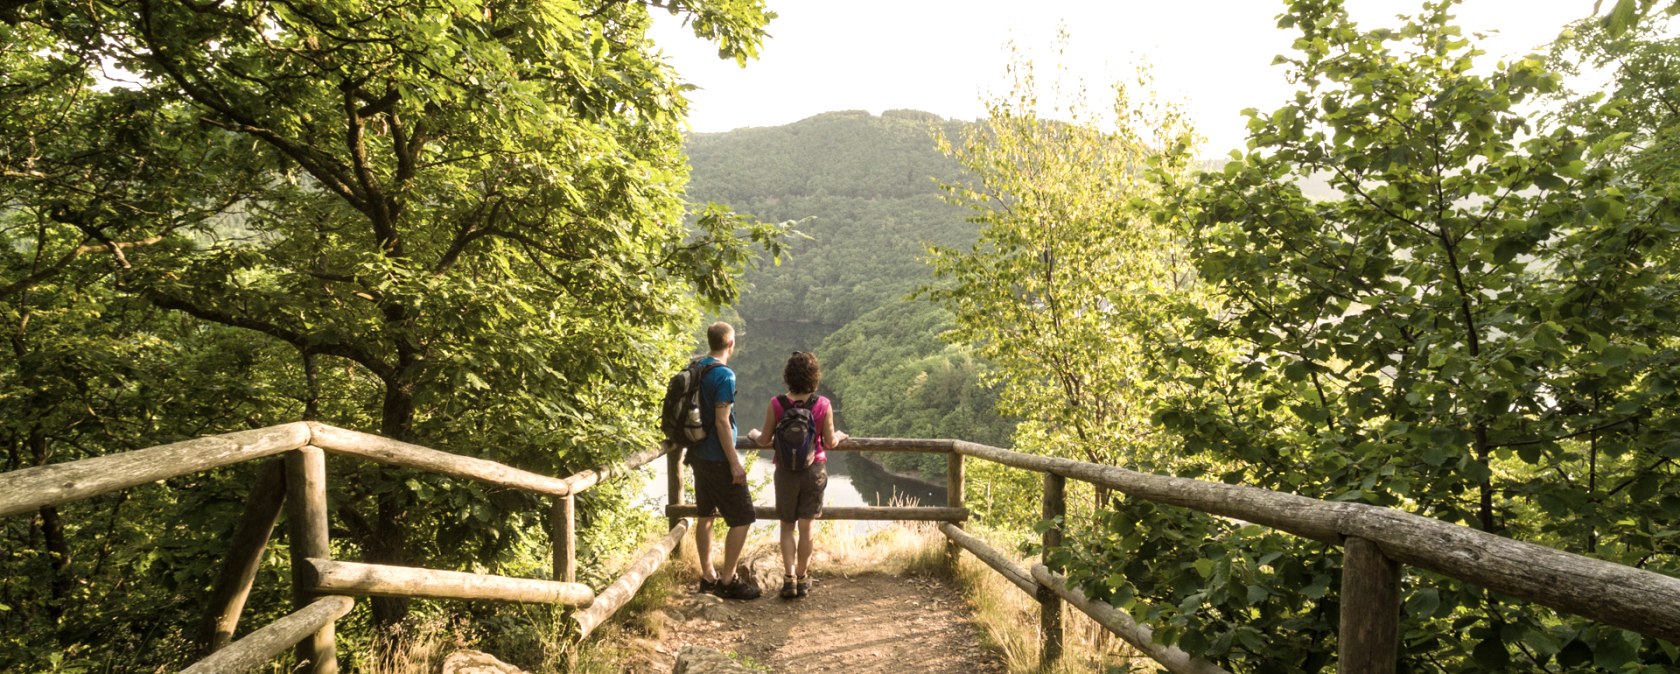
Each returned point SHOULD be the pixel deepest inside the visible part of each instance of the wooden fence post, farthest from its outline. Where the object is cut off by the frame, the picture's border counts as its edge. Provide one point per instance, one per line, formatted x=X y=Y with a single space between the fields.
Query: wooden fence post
x=1370 y=625
x=1050 y=603
x=563 y=525
x=306 y=515
x=245 y=552
x=674 y=489
x=955 y=497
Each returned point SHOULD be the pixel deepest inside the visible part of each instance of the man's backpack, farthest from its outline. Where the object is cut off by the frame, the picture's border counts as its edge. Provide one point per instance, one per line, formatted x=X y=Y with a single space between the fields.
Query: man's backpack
x=679 y=417
x=796 y=433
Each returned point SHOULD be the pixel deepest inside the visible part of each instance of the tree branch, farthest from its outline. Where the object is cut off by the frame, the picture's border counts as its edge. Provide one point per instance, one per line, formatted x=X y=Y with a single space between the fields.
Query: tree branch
x=303 y=342
x=319 y=165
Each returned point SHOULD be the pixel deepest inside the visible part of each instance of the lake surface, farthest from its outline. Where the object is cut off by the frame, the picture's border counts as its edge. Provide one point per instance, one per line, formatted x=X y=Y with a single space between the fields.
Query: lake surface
x=852 y=481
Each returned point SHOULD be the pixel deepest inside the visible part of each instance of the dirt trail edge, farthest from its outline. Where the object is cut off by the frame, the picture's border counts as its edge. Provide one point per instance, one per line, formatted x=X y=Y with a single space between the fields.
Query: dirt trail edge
x=864 y=622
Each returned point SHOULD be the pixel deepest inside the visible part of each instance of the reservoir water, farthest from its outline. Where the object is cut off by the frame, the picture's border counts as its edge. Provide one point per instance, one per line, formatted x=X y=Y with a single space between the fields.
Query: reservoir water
x=852 y=481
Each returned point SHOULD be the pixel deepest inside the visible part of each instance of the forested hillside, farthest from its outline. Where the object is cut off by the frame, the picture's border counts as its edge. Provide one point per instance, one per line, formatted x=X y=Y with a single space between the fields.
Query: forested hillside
x=866 y=194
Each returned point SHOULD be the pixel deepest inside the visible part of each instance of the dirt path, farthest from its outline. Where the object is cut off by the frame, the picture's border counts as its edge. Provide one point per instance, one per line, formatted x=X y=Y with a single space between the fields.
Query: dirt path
x=865 y=622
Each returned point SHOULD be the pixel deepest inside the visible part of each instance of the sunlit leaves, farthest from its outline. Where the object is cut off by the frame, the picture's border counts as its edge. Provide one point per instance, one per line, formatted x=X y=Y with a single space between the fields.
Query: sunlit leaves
x=467 y=218
x=1462 y=329
x=1073 y=277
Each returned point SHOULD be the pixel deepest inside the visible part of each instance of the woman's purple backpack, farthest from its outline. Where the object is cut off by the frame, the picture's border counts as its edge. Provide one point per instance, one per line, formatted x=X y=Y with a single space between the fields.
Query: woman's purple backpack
x=795 y=435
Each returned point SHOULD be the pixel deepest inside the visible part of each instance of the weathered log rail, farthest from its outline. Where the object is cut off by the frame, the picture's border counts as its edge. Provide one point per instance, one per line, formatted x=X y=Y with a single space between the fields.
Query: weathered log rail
x=322 y=587
x=1377 y=541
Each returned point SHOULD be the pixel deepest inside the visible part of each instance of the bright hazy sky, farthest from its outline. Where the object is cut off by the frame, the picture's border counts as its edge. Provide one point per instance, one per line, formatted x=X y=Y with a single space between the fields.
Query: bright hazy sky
x=946 y=56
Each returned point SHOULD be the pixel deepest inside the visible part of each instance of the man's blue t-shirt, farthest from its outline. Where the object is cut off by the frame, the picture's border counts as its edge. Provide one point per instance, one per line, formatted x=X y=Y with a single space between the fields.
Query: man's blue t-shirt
x=718 y=386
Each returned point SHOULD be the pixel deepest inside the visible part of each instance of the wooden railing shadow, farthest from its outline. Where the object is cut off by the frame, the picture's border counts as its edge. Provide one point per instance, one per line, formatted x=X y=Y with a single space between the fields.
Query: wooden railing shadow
x=323 y=587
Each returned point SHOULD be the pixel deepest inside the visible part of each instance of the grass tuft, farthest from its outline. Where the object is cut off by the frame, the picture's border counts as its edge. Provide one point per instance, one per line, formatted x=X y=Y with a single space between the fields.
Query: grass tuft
x=1001 y=610
x=415 y=647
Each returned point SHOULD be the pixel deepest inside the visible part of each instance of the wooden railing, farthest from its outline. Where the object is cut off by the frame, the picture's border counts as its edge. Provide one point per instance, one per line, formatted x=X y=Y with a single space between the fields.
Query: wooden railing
x=1376 y=542
x=322 y=586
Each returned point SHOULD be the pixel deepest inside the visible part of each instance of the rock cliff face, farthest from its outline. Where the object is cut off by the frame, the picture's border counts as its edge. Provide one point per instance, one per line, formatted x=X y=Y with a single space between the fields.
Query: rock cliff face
x=702 y=660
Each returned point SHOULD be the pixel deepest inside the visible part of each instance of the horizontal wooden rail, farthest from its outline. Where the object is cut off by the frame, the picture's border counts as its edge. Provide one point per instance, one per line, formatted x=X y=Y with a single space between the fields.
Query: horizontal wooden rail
x=402 y=581
x=385 y=450
x=1124 y=626
x=261 y=647
x=1635 y=599
x=876 y=445
x=622 y=589
x=26 y=490
x=886 y=513
x=59 y=483
x=1010 y=571
x=589 y=478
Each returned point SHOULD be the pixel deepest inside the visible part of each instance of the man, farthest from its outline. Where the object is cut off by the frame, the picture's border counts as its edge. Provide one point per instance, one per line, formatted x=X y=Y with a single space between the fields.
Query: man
x=720 y=479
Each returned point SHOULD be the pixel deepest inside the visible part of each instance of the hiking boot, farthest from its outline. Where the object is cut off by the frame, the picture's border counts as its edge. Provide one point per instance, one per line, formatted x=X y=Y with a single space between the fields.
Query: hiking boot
x=738 y=589
x=789 y=590
x=708 y=586
x=802 y=587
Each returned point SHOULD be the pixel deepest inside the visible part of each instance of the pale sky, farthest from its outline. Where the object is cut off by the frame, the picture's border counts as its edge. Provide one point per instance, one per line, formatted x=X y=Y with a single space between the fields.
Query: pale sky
x=947 y=56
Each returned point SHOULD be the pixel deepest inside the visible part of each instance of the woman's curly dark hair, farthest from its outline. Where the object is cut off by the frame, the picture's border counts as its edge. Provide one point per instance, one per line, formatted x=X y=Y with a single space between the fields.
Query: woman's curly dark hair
x=802 y=373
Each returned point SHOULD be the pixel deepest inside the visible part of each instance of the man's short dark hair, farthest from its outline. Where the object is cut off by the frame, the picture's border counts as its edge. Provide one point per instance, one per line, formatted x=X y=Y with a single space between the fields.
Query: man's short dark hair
x=802 y=373
x=719 y=335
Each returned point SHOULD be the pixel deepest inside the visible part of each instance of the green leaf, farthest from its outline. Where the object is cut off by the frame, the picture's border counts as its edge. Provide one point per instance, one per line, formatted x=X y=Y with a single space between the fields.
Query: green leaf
x=1575 y=653
x=1424 y=602
x=1491 y=654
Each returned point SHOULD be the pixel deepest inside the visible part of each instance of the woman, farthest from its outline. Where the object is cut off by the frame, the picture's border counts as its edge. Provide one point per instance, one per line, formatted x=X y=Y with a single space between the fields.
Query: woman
x=799 y=493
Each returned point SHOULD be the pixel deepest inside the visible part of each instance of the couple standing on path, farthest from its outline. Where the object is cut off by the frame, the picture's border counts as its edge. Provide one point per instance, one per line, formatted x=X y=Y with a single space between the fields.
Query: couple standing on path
x=720 y=478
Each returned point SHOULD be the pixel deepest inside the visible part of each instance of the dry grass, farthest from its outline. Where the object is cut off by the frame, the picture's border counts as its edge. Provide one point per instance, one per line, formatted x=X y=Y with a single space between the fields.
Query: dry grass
x=1003 y=610
x=416 y=647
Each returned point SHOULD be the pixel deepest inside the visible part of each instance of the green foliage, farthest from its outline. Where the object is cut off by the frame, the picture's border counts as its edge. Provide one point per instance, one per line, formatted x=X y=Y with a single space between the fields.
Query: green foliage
x=454 y=224
x=865 y=192
x=1073 y=275
x=898 y=379
x=1478 y=328
x=1622 y=16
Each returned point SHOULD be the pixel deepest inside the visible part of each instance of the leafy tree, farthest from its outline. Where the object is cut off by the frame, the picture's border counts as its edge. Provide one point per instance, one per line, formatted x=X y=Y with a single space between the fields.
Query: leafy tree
x=1475 y=329
x=1071 y=267
x=1624 y=15
x=114 y=583
x=459 y=225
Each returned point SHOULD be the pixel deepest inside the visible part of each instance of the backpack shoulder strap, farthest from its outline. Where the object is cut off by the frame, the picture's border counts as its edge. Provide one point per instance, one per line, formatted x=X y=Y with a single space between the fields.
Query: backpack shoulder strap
x=700 y=379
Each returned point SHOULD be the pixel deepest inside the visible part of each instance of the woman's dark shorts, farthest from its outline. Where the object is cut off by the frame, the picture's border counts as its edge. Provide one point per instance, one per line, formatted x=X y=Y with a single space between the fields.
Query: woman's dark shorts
x=799 y=494
x=715 y=492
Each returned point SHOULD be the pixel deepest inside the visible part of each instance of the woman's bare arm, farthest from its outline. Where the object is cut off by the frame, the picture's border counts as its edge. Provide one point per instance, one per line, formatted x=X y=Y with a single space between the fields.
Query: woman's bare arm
x=763 y=437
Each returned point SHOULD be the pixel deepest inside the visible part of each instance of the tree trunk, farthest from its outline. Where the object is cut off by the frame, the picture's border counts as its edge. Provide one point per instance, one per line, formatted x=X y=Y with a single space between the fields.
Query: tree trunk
x=58 y=553
x=390 y=534
x=311 y=387
x=53 y=543
x=1484 y=507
